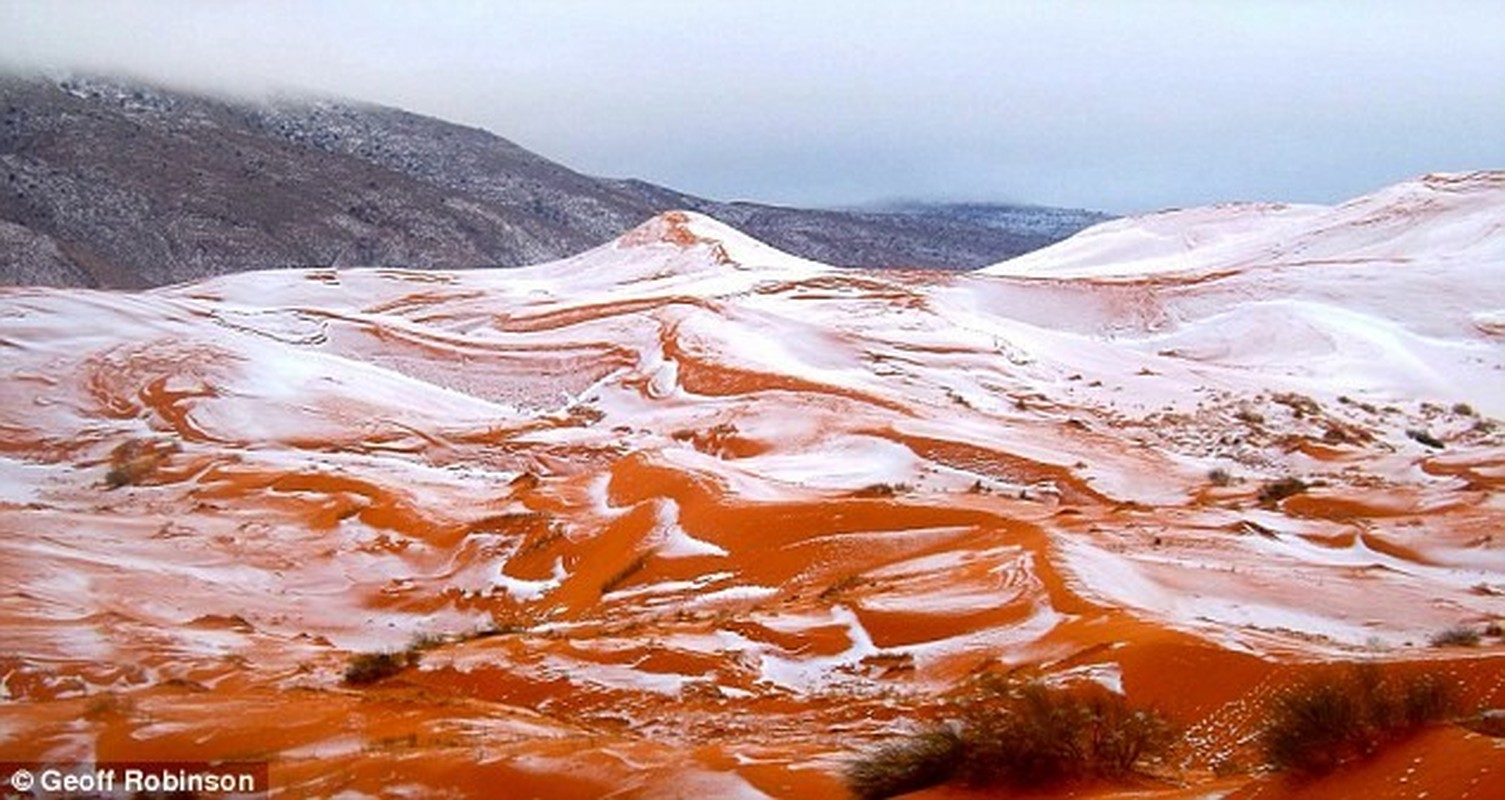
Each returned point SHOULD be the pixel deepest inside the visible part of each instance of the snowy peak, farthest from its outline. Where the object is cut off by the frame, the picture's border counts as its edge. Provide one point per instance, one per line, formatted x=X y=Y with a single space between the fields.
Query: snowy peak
x=671 y=227
x=722 y=244
x=673 y=251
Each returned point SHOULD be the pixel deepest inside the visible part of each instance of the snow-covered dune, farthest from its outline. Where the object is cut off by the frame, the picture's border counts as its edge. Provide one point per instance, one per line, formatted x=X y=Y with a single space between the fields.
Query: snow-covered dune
x=686 y=510
x=1435 y=217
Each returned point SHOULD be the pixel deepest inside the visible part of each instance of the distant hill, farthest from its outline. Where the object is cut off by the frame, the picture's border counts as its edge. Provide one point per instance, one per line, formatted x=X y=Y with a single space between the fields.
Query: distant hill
x=115 y=184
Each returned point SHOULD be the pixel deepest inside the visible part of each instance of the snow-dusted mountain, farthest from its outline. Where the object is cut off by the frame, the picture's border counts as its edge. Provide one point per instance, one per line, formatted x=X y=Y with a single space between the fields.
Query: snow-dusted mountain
x=109 y=183
x=685 y=510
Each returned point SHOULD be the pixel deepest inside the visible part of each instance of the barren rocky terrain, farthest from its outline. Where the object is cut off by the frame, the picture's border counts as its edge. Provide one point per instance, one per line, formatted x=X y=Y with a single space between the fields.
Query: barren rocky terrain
x=114 y=184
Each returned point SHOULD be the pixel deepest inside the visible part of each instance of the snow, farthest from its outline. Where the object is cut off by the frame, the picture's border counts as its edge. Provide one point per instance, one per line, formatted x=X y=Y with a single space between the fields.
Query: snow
x=1432 y=216
x=525 y=590
x=22 y=482
x=669 y=540
x=1163 y=242
x=809 y=674
x=847 y=462
x=733 y=594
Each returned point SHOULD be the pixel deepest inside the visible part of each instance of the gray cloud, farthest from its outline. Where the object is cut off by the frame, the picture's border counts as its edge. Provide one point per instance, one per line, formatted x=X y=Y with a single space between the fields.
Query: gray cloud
x=1125 y=106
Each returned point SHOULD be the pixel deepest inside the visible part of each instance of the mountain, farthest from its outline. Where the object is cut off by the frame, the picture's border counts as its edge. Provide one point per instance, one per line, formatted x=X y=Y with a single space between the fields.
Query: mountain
x=115 y=184
x=1043 y=221
x=687 y=512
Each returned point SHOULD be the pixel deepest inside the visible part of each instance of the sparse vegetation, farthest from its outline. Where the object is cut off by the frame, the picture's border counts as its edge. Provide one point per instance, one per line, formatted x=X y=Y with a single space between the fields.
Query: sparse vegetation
x=1463 y=409
x=1318 y=725
x=494 y=629
x=133 y=461
x=918 y=762
x=624 y=574
x=368 y=668
x=1337 y=432
x=845 y=584
x=1301 y=406
x=427 y=641
x=1276 y=491
x=1425 y=438
x=109 y=704
x=1019 y=735
x=883 y=490
x=1219 y=477
x=1456 y=636
x=1249 y=416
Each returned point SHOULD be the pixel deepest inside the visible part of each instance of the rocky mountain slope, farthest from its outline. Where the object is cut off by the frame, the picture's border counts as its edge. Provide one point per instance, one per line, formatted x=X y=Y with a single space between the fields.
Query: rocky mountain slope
x=685 y=513
x=112 y=184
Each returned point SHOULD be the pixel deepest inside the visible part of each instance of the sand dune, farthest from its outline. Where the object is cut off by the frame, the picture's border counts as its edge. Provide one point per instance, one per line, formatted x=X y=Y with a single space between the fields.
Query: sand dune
x=685 y=514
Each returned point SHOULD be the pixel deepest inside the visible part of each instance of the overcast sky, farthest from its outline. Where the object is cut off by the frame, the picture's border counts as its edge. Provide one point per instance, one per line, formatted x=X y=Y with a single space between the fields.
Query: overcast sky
x=1122 y=106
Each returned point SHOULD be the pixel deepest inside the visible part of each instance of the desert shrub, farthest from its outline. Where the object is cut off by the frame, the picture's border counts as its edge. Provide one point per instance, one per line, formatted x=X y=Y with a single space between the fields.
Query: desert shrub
x=134 y=461
x=883 y=490
x=1019 y=735
x=1275 y=491
x=1034 y=735
x=1315 y=726
x=1301 y=406
x=845 y=584
x=1425 y=438
x=1249 y=416
x=368 y=668
x=621 y=576
x=1425 y=699
x=109 y=704
x=1456 y=636
x=923 y=760
x=1219 y=477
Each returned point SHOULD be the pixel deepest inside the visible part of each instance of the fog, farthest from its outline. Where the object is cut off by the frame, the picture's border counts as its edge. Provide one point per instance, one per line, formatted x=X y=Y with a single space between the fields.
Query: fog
x=1120 y=106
